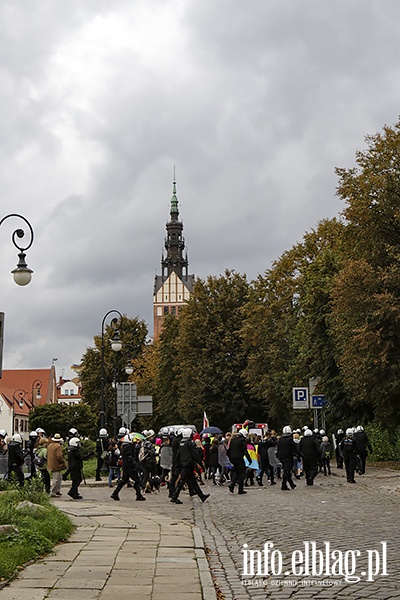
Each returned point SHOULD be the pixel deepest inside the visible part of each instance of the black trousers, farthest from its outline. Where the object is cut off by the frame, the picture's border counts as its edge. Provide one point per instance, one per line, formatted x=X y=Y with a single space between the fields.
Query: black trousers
x=128 y=474
x=238 y=474
x=287 y=473
x=188 y=477
x=310 y=467
x=350 y=465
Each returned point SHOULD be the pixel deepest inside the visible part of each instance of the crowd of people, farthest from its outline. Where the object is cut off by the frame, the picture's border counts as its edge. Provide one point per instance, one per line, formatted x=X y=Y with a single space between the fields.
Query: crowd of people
x=178 y=459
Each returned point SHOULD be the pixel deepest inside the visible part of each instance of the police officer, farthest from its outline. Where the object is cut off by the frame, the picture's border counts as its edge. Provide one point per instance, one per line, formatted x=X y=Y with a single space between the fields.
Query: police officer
x=363 y=446
x=287 y=450
x=310 y=451
x=348 y=446
x=189 y=457
x=236 y=452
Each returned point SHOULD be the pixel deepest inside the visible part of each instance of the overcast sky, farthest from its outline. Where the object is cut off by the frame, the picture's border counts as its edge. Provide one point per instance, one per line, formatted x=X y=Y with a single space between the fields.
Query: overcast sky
x=255 y=102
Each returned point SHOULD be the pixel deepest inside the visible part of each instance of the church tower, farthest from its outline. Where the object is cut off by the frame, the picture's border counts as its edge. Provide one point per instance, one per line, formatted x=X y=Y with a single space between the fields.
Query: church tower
x=173 y=287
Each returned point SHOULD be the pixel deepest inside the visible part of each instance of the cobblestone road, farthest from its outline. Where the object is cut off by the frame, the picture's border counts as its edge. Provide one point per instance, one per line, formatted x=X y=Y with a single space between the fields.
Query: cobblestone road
x=349 y=517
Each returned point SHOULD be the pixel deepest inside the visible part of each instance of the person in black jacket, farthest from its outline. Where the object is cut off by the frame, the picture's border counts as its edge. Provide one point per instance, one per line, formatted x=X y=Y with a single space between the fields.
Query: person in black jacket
x=363 y=446
x=176 y=462
x=188 y=456
x=310 y=451
x=129 y=468
x=348 y=446
x=236 y=452
x=287 y=450
x=31 y=446
x=75 y=465
x=102 y=444
x=338 y=452
x=16 y=459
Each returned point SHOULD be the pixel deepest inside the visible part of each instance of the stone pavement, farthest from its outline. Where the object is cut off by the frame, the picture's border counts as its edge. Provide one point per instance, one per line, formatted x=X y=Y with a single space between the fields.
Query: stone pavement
x=348 y=517
x=156 y=549
x=120 y=550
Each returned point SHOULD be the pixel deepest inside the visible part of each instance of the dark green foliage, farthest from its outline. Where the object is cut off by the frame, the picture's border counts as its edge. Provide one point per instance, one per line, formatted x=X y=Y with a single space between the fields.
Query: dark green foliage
x=59 y=418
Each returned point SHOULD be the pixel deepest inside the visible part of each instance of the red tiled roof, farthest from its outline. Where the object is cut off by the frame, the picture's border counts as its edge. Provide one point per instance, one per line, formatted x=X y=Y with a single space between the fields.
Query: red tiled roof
x=21 y=383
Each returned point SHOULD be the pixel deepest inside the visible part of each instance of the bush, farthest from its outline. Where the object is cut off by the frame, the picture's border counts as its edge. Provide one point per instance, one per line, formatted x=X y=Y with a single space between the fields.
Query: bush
x=383 y=445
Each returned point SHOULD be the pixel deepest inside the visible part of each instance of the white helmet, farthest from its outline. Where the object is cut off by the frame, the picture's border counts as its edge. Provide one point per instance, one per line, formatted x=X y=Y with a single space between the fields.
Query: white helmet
x=16 y=438
x=349 y=431
x=308 y=432
x=339 y=431
x=243 y=432
x=304 y=427
x=145 y=432
x=316 y=430
x=33 y=434
x=322 y=432
x=73 y=431
x=122 y=431
x=74 y=442
x=40 y=430
x=287 y=429
x=187 y=433
x=180 y=431
x=103 y=432
x=3 y=433
x=127 y=437
x=360 y=428
x=150 y=433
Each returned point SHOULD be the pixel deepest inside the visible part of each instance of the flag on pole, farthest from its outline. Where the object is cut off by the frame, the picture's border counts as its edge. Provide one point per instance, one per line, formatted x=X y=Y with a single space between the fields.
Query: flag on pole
x=205 y=421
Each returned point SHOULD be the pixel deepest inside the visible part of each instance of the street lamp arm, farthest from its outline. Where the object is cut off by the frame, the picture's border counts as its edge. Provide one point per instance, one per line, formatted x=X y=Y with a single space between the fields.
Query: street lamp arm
x=20 y=233
x=22 y=273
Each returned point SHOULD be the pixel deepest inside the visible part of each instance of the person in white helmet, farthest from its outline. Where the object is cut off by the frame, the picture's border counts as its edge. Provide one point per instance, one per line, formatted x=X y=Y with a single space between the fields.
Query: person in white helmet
x=287 y=450
x=348 y=446
x=236 y=452
x=75 y=466
x=15 y=459
x=189 y=457
x=102 y=445
x=363 y=447
x=339 y=454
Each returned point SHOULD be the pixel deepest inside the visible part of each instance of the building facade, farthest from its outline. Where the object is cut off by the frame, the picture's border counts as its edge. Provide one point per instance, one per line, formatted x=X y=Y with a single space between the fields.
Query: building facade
x=173 y=287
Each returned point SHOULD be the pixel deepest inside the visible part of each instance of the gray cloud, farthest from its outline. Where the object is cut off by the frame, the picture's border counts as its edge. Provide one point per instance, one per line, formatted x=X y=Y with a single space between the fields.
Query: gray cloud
x=254 y=103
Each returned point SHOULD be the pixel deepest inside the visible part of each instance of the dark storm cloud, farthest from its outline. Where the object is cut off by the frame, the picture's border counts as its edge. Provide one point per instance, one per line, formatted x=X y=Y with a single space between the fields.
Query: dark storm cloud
x=255 y=103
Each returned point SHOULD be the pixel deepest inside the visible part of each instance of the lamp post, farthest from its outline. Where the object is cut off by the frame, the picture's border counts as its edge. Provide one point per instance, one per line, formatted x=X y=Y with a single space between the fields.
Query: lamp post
x=116 y=345
x=22 y=273
x=36 y=395
x=128 y=370
x=18 y=396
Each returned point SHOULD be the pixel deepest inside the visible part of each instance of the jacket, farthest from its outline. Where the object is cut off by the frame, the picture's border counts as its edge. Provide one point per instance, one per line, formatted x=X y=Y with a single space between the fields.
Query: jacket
x=55 y=457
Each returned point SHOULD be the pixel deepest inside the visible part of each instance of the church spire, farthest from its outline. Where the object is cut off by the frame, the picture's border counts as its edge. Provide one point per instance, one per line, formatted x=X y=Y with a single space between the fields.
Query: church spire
x=174 y=244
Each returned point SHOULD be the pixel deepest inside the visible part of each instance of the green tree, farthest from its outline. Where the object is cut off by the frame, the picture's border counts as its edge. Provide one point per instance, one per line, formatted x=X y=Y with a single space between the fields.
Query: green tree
x=366 y=296
x=133 y=336
x=211 y=356
x=59 y=418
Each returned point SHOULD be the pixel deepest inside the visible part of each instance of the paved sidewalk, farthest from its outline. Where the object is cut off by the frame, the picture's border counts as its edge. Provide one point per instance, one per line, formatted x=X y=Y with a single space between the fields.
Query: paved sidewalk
x=119 y=551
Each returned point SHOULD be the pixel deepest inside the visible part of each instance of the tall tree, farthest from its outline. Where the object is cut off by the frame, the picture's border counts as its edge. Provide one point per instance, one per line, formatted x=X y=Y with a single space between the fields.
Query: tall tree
x=133 y=336
x=366 y=308
x=211 y=356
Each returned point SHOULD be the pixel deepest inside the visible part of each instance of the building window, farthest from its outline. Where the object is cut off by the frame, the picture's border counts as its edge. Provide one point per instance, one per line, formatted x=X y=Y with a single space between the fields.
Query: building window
x=173 y=310
x=166 y=311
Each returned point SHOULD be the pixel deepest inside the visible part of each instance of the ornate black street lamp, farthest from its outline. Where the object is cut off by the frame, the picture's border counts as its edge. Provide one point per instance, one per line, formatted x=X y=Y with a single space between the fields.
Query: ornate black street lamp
x=116 y=345
x=36 y=394
x=22 y=273
x=18 y=397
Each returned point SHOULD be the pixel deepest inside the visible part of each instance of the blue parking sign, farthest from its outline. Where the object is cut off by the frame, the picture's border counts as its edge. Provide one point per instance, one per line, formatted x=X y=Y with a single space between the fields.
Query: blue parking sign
x=300 y=397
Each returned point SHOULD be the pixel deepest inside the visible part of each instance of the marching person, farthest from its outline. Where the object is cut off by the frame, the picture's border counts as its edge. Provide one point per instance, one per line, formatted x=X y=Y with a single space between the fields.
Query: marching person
x=56 y=463
x=75 y=465
x=102 y=444
x=363 y=446
x=348 y=446
x=287 y=450
x=310 y=451
x=188 y=458
x=236 y=452
x=16 y=459
x=129 y=469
